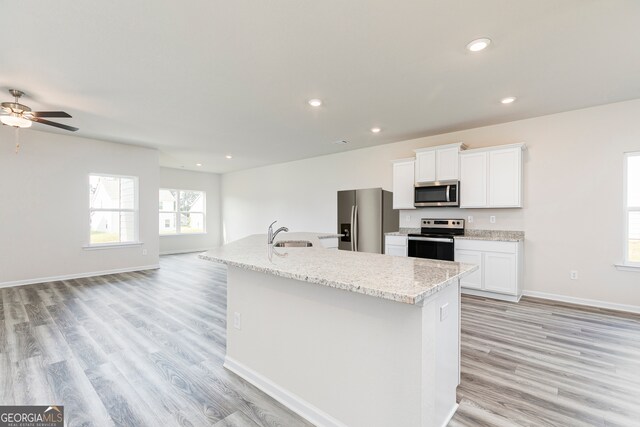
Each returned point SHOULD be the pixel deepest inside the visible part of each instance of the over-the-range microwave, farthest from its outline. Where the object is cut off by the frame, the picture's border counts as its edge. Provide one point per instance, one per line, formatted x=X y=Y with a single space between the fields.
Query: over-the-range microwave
x=442 y=193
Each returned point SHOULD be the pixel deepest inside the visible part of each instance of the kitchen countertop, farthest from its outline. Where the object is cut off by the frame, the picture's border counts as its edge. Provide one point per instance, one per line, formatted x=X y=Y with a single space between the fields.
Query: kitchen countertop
x=492 y=235
x=403 y=232
x=323 y=236
x=471 y=234
x=401 y=279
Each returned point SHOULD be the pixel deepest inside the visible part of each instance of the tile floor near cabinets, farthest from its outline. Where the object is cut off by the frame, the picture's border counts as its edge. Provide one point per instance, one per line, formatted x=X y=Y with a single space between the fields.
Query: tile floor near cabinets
x=146 y=349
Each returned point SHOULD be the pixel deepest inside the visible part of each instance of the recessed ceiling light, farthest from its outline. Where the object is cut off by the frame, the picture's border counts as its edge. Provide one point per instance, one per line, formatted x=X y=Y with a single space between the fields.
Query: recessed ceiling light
x=341 y=142
x=315 y=102
x=229 y=156
x=376 y=130
x=478 y=44
x=508 y=100
x=198 y=164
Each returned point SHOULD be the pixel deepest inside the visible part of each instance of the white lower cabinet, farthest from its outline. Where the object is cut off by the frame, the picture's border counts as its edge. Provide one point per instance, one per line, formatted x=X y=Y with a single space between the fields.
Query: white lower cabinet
x=395 y=245
x=500 y=272
x=501 y=268
x=473 y=280
x=329 y=242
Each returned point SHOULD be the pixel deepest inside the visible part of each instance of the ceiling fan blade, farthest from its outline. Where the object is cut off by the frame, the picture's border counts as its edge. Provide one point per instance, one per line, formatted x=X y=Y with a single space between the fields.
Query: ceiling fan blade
x=49 y=114
x=58 y=125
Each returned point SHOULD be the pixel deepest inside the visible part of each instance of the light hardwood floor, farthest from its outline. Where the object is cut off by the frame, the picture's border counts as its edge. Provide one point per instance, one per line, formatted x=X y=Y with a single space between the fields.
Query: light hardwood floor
x=146 y=349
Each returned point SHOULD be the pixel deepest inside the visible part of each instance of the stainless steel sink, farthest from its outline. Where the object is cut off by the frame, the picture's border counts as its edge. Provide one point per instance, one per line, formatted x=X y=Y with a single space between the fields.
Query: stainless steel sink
x=293 y=244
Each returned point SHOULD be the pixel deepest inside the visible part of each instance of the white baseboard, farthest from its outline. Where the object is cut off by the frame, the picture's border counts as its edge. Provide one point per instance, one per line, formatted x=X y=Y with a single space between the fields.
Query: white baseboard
x=584 y=301
x=76 y=276
x=494 y=295
x=296 y=404
x=451 y=414
x=183 y=251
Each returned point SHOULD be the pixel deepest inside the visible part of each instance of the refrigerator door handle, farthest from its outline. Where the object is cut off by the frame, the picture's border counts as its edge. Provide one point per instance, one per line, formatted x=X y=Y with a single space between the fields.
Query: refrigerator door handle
x=355 y=228
x=351 y=230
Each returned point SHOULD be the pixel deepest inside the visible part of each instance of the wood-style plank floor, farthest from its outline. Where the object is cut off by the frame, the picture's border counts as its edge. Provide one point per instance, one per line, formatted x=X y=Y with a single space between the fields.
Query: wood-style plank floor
x=543 y=363
x=146 y=349
x=132 y=349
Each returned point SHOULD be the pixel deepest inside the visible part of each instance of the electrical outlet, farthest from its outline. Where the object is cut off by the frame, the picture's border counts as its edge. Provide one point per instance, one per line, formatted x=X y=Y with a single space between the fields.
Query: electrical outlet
x=492 y=219
x=470 y=219
x=573 y=274
x=144 y=251
x=237 y=320
x=444 y=312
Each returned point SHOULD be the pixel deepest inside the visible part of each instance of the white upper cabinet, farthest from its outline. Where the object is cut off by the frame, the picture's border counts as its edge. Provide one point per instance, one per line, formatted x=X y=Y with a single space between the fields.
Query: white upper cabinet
x=438 y=163
x=491 y=177
x=447 y=161
x=473 y=180
x=505 y=177
x=425 y=166
x=403 y=183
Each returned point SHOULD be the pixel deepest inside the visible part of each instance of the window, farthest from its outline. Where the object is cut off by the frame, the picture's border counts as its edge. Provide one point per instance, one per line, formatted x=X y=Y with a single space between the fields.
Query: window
x=182 y=212
x=113 y=209
x=632 y=209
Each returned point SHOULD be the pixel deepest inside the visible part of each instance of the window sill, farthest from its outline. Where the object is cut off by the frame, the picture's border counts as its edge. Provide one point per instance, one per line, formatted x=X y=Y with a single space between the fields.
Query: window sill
x=101 y=246
x=183 y=234
x=626 y=267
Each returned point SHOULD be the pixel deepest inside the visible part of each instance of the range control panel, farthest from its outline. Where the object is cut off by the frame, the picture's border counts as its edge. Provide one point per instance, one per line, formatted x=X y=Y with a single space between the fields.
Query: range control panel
x=442 y=223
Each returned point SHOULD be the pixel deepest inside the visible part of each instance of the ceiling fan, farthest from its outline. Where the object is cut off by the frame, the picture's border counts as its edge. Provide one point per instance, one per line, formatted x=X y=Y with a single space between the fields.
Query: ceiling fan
x=20 y=116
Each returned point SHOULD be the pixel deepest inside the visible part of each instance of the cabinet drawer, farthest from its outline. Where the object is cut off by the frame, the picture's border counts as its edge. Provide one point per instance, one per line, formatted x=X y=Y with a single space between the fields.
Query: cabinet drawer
x=395 y=250
x=396 y=240
x=487 y=246
x=330 y=242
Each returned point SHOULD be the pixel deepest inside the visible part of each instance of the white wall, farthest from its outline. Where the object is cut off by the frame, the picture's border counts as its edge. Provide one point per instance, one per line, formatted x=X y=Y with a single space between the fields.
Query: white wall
x=188 y=180
x=44 y=205
x=573 y=196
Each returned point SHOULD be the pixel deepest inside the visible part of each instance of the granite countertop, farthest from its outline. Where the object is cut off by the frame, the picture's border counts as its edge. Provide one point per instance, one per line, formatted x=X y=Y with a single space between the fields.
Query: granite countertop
x=404 y=232
x=470 y=234
x=321 y=236
x=493 y=235
x=402 y=279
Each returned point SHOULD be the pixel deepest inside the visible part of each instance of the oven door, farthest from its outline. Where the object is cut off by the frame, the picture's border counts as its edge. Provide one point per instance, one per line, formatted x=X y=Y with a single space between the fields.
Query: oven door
x=431 y=247
x=443 y=193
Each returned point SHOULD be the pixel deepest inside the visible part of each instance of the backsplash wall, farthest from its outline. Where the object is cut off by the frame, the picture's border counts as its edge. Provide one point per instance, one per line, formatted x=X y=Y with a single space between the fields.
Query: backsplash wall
x=506 y=219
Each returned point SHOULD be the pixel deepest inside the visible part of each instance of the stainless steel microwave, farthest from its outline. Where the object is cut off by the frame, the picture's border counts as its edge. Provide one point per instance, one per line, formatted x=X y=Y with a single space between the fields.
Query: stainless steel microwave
x=443 y=193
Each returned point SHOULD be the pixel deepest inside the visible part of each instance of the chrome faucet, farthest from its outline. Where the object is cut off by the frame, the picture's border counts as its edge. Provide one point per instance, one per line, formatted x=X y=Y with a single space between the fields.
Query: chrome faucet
x=272 y=234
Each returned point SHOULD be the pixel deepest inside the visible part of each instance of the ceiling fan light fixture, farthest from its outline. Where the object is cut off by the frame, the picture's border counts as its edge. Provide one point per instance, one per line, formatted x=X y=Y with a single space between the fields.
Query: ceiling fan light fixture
x=15 y=121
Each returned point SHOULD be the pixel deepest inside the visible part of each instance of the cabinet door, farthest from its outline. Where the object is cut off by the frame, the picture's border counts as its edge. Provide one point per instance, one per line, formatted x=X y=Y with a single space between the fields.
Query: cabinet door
x=395 y=250
x=426 y=166
x=473 y=180
x=403 y=185
x=500 y=273
x=447 y=164
x=505 y=177
x=473 y=280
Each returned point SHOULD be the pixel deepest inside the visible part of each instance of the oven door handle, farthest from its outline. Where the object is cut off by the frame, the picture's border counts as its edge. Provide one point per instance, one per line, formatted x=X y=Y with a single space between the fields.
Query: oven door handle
x=432 y=239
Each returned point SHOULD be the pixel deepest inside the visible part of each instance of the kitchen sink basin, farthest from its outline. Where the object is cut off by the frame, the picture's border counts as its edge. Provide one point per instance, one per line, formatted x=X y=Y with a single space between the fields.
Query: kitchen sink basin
x=292 y=244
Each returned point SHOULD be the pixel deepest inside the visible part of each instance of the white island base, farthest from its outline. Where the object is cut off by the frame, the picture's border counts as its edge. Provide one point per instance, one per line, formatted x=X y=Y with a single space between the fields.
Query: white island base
x=341 y=358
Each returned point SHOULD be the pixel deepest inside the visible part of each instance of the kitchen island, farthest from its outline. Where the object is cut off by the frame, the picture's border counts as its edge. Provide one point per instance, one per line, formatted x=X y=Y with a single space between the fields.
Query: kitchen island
x=344 y=338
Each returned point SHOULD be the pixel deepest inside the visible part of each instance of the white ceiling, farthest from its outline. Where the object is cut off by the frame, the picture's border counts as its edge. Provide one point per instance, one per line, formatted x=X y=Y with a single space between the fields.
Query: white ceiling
x=202 y=79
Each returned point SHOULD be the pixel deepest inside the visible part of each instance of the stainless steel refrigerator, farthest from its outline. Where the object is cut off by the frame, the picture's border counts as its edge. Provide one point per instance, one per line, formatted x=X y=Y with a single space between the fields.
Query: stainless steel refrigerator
x=363 y=218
